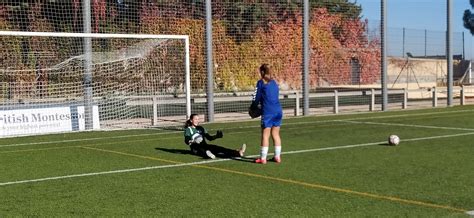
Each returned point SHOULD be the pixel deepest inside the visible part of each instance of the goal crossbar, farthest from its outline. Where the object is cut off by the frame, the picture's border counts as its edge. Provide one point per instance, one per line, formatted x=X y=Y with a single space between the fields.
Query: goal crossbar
x=93 y=35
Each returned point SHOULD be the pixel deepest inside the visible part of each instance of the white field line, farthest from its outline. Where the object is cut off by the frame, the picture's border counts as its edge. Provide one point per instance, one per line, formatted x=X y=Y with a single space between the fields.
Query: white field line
x=376 y=143
x=380 y=117
x=241 y=127
x=116 y=171
x=135 y=140
x=470 y=212
x=87 y=139
x=406 y=125
x=124 y=141
x=411 y=115
x=218 y=160
x=180 y=136
x=437 y=137
x=106 y=172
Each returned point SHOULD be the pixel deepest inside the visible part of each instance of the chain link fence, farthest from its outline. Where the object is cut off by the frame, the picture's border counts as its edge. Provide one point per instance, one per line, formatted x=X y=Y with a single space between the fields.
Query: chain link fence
x=344 y=65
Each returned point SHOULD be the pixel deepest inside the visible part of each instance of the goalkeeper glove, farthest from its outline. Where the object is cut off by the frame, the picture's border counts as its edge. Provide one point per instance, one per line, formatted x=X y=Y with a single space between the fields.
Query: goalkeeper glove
x=219 y=134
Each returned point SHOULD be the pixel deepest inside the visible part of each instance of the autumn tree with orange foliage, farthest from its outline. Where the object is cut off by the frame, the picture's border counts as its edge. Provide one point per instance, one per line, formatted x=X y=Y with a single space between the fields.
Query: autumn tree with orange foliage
x=243 y=38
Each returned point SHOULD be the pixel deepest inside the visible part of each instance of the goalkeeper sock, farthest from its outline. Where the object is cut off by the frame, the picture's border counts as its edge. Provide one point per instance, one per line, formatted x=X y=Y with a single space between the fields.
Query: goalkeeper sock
x=277 y=150
x=264 y=152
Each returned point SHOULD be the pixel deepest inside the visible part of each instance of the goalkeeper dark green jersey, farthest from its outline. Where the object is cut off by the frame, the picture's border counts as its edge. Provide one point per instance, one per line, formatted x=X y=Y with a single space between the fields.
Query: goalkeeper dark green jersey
x=190 y=132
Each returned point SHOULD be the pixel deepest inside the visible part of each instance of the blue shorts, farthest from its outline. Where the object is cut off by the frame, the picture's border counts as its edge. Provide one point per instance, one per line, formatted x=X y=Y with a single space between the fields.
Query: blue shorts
x=271 y=120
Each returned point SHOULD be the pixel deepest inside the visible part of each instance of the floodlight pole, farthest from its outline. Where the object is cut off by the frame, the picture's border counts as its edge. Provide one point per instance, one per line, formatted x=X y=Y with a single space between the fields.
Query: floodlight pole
x=383 y=53
x=403 y=43
x=306 y=58
x=210 y=65
x=426 y=43
x=88 y=119
x=449 y=51
x=463 y=47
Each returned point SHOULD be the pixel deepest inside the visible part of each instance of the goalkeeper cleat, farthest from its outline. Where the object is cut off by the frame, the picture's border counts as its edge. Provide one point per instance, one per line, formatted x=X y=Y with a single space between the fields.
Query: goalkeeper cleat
x=210 y=154
x=242 y=149
x=276 y=159
x=261 y=161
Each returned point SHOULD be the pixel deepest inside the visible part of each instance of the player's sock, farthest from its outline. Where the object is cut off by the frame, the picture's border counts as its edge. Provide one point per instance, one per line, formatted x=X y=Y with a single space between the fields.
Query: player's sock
x=264 y=152
x=277 y=150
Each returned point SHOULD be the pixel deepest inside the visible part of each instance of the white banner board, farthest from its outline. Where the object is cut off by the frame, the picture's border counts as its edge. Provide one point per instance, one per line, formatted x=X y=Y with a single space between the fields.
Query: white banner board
x=45 y=120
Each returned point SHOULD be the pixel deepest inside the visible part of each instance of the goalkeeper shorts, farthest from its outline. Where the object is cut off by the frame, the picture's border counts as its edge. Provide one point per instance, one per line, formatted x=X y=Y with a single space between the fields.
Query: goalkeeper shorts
x=271 y=120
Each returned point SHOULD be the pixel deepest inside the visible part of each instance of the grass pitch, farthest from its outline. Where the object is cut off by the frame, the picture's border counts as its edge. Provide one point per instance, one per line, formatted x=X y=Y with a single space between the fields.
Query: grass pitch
x=332 y=166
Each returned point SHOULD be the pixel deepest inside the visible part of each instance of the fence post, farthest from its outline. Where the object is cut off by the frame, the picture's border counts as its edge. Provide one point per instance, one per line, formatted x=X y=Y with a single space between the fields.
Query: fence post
x=336 y=102
x=463 y=98
x=297 y=108
x=405 y=98
x=372 y=100
x=154 y=121
x=435 y=98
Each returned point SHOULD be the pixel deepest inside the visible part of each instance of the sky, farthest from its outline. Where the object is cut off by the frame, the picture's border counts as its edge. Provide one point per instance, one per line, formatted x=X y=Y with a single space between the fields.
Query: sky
x=427 y=15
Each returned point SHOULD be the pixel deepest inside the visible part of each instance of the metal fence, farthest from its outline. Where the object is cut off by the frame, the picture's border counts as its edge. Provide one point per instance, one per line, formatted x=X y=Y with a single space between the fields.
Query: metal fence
x=341 y=72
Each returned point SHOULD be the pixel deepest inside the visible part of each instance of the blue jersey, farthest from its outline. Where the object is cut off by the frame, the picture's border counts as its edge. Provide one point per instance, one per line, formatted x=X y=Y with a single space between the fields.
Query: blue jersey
x=268 y=96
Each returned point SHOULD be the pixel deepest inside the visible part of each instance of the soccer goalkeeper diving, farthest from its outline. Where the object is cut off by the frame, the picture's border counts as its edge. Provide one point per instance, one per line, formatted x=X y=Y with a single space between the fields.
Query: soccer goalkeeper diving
x=195 y=136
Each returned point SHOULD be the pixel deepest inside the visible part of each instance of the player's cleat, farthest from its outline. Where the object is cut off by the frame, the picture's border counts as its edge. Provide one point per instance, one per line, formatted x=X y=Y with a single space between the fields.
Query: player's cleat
x=261 y=161
x=210 y=154
x=276 y=159
x=242 y=150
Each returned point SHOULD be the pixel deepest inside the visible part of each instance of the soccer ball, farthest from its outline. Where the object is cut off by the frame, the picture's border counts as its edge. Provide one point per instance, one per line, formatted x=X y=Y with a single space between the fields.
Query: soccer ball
x=393 y=140
x=197 y=138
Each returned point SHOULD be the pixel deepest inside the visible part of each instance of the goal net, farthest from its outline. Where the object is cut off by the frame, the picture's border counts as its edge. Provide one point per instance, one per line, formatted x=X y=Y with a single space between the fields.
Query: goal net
x=55 y=82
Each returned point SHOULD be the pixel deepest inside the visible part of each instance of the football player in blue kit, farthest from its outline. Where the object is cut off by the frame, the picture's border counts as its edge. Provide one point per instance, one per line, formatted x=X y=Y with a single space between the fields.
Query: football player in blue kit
x=267 y=96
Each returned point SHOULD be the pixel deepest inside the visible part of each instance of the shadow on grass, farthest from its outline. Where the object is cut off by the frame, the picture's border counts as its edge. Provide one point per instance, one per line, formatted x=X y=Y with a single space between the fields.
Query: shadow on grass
x=188 y=152
x=175 y=151
x=387 y=144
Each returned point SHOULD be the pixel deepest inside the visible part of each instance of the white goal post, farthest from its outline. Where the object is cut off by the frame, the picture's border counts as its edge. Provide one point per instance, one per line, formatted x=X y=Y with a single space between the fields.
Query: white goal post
x=118 y=59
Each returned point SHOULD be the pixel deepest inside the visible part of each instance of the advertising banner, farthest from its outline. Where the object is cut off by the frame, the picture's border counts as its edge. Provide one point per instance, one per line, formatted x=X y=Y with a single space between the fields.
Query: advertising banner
x=45 y=120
